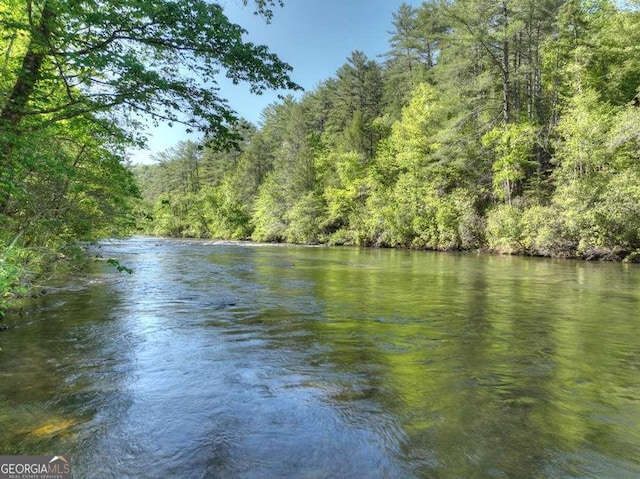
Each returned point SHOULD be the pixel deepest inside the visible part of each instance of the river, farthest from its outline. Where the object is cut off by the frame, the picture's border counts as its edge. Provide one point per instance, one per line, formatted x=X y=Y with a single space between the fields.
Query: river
x=223 y=360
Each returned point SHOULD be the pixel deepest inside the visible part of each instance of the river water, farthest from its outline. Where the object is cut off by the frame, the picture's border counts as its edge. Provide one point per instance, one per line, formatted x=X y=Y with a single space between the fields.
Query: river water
x=259 y=361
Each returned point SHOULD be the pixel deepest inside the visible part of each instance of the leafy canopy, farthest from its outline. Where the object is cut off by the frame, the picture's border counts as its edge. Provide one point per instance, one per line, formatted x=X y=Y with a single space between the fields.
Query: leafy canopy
x=155 y=57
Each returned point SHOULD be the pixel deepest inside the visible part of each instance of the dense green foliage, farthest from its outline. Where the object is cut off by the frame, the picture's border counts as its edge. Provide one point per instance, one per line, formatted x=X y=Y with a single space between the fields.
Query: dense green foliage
x=76 y=81
x=512 y=126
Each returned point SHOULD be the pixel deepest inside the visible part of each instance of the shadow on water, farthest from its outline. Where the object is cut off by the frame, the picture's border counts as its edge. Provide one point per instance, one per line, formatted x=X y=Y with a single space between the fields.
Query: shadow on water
x=238 y=360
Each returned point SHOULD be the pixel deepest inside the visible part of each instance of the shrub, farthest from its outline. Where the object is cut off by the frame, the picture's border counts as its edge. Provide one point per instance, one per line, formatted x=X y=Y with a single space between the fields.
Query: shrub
x=504 y=230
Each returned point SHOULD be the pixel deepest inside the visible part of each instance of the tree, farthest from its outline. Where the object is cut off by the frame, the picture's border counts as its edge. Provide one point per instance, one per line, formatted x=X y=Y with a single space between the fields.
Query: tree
x=513 y=146
x=76 y=78
x=106 y=58
x=358 y=96
x=415 y=45
x=293 y=174
x=593 y=50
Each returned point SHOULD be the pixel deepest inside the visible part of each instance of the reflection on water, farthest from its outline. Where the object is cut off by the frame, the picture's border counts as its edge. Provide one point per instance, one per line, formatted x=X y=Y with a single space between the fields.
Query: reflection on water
x=234 y=360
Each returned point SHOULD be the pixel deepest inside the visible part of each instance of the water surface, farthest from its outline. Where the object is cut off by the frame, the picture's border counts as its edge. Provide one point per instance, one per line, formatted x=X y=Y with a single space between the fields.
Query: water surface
x=253 y=361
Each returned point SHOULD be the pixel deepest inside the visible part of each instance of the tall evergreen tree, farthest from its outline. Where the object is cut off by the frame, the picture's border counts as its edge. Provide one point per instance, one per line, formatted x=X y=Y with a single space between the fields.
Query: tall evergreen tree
x=358 y=96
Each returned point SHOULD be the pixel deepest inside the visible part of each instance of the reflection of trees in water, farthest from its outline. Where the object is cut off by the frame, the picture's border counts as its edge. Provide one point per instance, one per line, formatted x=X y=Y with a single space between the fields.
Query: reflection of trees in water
x=473 y=356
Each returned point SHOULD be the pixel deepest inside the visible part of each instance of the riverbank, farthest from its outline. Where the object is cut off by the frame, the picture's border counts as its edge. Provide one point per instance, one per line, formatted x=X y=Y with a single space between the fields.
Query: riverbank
x=25 y=273
x=505 y=248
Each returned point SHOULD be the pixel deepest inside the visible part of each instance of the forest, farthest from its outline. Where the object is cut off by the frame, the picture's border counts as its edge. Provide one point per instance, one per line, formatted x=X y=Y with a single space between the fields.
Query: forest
x=511 y=127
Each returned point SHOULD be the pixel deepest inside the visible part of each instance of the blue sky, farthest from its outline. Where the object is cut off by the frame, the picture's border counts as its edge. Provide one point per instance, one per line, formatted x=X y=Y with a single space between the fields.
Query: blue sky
x=314 y=36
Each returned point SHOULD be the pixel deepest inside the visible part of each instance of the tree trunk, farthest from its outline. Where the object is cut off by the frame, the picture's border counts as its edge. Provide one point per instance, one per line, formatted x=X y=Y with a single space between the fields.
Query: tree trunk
x=506 y=77
x=14 y=108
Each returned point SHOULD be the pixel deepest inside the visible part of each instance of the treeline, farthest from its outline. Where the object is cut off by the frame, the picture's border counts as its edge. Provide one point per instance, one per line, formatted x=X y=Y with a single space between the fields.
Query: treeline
x=512 y=126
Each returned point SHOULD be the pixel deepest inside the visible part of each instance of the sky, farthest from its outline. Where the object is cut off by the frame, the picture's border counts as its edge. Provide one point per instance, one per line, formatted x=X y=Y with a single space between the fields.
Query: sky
x=315 y=37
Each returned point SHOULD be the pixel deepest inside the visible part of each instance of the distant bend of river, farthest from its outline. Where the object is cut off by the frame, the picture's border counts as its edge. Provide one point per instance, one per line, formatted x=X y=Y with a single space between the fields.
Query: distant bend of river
x=232 y=360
